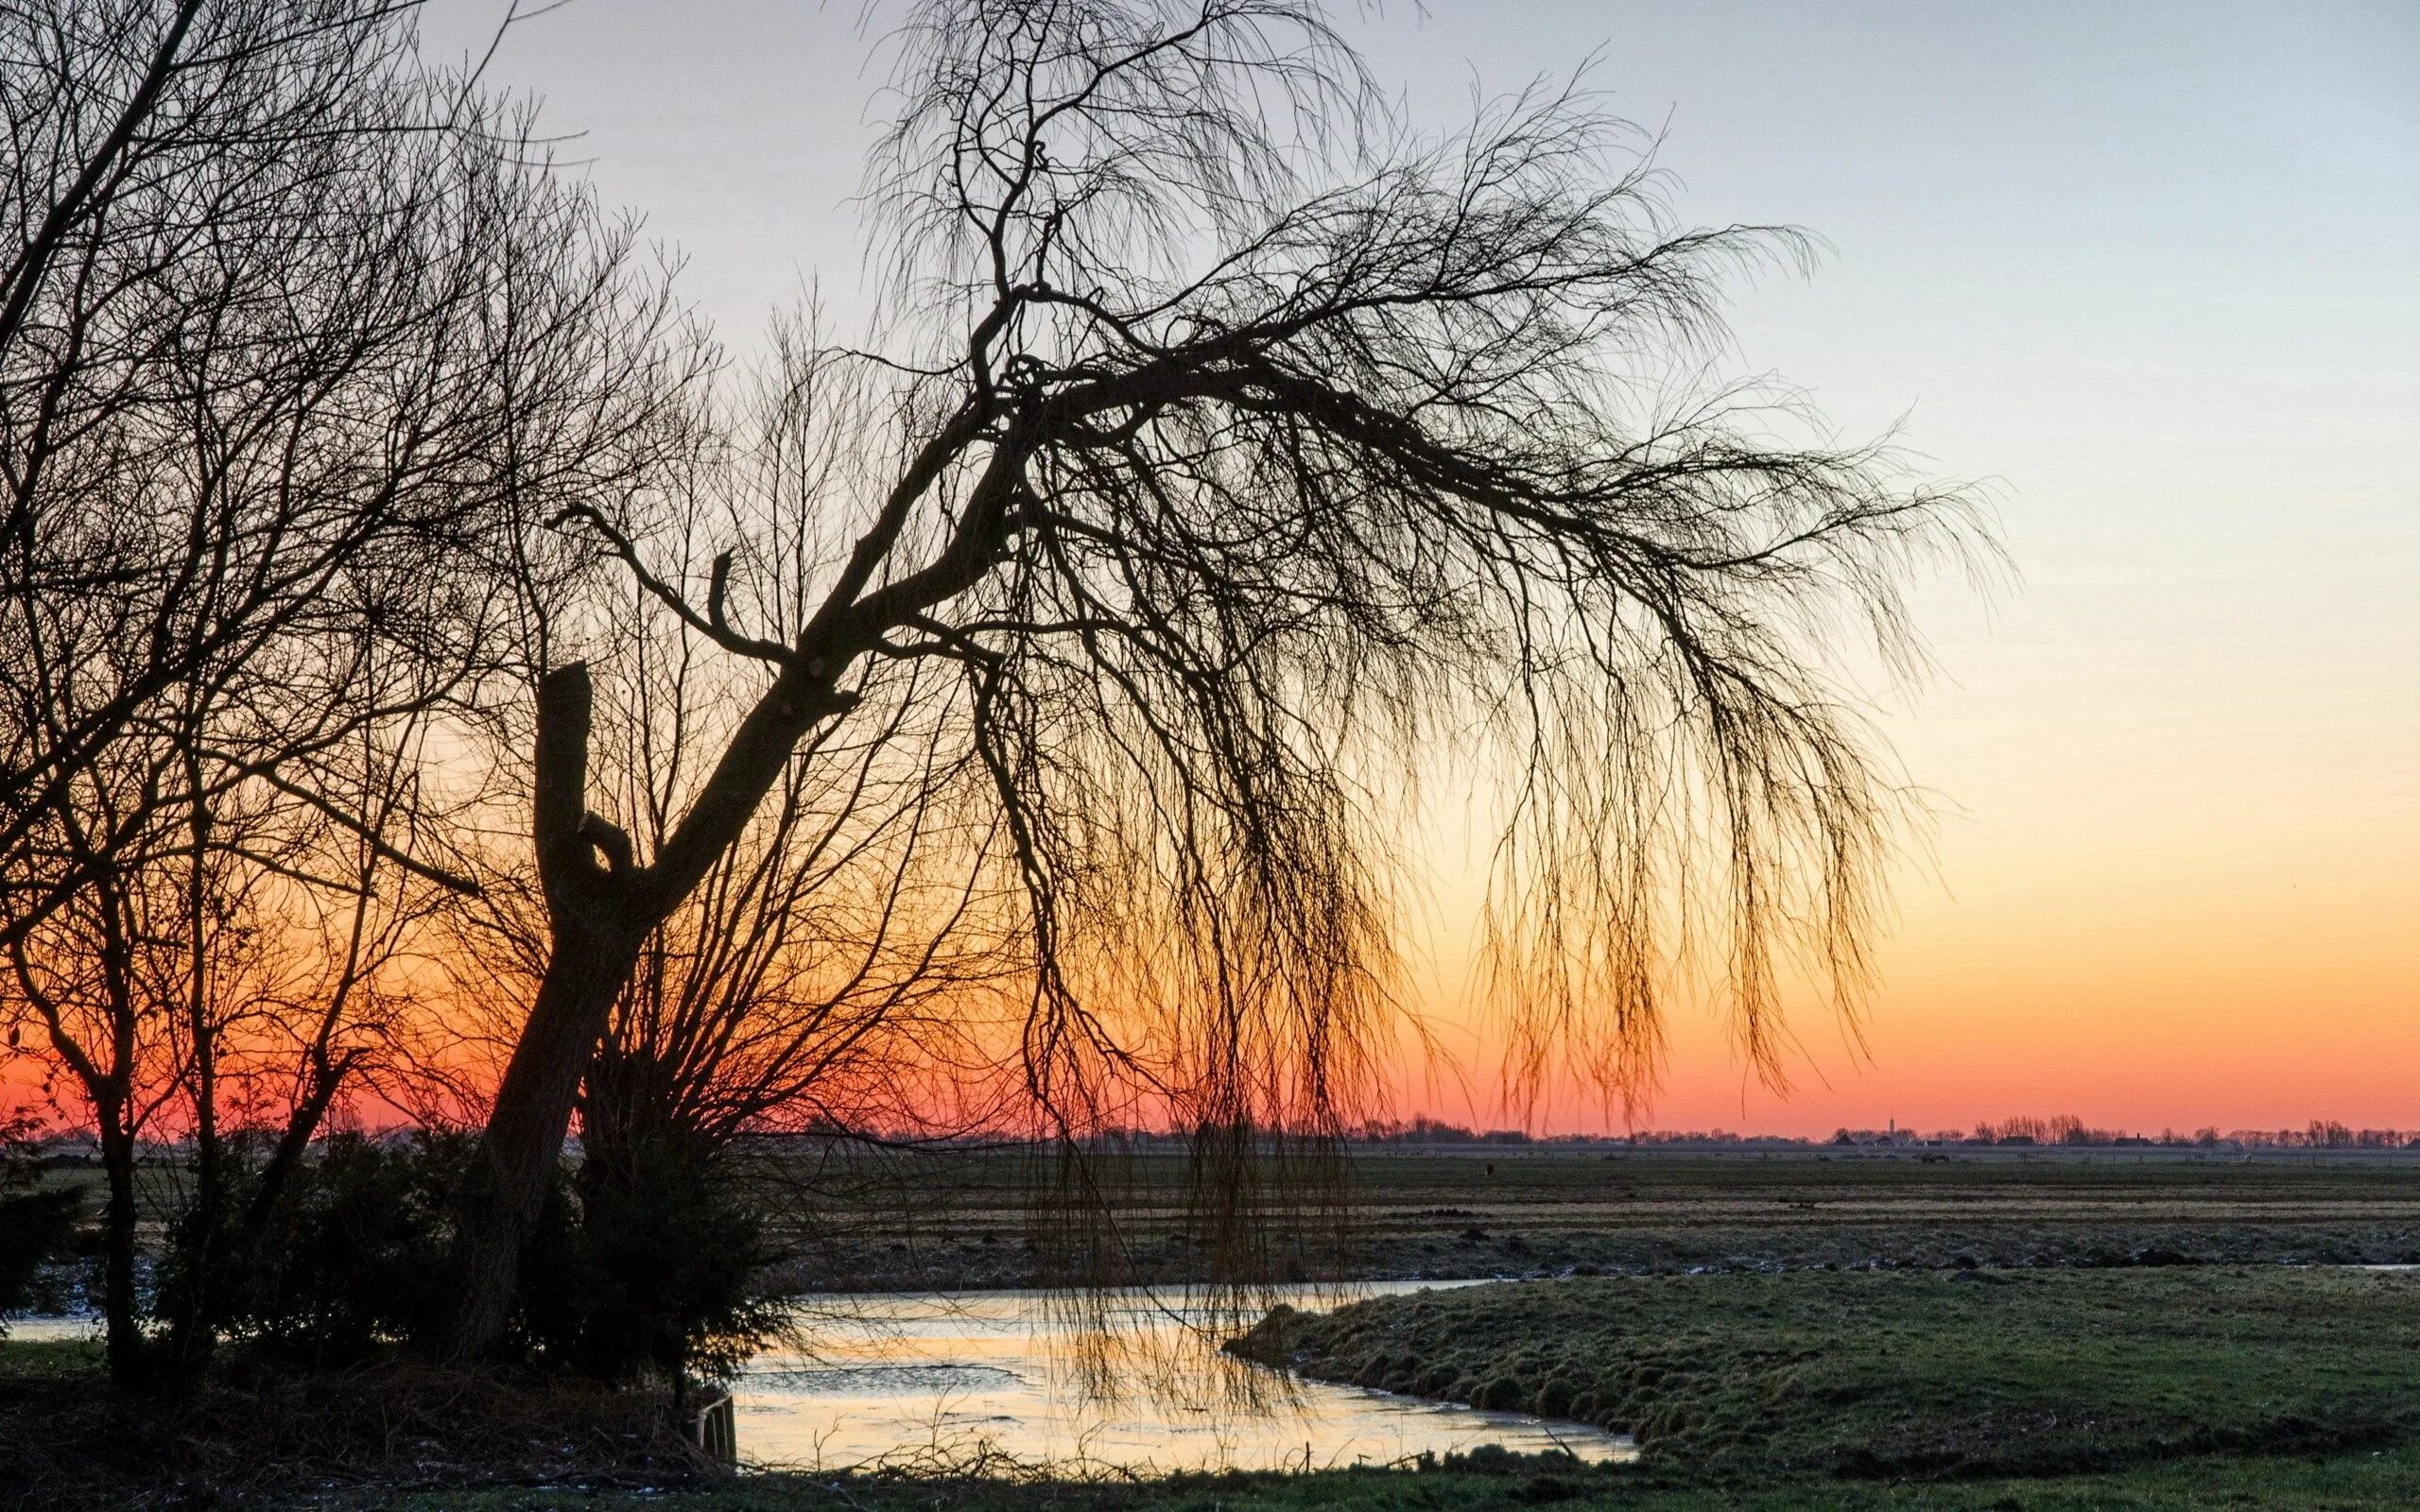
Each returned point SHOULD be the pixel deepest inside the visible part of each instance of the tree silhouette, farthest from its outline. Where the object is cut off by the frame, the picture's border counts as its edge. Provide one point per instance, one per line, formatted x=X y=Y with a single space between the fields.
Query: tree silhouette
x=1236 y=448
x=290 y=326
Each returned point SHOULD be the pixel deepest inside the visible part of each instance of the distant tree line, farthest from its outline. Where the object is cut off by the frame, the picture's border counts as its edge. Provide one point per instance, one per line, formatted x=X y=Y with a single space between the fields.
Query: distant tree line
x=2069 y=1130
x=2064 y=1130
x=2058 y=1130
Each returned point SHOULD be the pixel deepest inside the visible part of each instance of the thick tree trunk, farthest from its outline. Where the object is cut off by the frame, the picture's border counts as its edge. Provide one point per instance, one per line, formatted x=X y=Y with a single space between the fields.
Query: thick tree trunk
x=525 y=1133
x=600 y=905
x=120 y=1308
x=596 y=940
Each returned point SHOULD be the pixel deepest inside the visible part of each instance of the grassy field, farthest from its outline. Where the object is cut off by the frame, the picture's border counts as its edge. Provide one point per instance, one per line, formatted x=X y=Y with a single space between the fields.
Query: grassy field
x=2386 y=1481
x=958 y=1219
x=1907 y=1375
x=955 y=1220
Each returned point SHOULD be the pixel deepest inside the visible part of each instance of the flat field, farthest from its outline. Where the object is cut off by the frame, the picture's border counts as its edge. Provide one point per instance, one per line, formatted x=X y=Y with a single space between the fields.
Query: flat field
x=1901 y=1375
x=945 y=1219
x=958 y=1219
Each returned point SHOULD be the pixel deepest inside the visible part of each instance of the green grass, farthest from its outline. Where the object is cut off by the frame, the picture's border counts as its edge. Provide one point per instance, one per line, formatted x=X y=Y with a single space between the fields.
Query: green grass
x=2387 y=1481
x=42 y=1365
x=1901 y=1374
x=1906 y=1374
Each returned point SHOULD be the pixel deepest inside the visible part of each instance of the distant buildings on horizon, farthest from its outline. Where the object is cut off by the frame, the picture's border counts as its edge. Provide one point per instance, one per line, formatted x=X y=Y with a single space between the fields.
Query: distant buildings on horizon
x=2062 y=1131
x=77 y=1147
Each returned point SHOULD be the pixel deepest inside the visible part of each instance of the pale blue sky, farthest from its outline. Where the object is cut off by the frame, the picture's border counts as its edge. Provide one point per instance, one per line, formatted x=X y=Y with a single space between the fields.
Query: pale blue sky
x=2154 y=269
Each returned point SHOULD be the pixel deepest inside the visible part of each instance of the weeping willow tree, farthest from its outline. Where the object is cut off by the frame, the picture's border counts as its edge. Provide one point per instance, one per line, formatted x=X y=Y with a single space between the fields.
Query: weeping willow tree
x=1233 y=452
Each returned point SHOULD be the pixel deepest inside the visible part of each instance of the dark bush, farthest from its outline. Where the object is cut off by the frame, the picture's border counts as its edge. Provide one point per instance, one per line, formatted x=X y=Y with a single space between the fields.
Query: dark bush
x=1554 y=1399
x=349 y=1261
x=650 y=1262
x=1503 y=1394
x=34 y=1224
x=644 y=1260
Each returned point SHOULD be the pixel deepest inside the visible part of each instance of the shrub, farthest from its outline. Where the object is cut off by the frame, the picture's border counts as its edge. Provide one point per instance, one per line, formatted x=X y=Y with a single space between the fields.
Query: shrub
x=34 y=1224
x=644 y=1260
x=349 y=1260
x=649 y=1262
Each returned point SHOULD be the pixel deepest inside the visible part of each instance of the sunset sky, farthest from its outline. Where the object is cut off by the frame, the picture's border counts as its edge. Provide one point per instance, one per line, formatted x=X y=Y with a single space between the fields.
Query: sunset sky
x=2151 y=271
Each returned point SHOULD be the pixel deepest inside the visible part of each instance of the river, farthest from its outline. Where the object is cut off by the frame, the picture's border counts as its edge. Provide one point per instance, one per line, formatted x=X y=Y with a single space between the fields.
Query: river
x=944 y=1380
x=977 y=1380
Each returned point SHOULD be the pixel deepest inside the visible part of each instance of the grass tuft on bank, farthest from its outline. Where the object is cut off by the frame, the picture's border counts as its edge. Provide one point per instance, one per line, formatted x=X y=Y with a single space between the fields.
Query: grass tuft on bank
x=1931 y=1375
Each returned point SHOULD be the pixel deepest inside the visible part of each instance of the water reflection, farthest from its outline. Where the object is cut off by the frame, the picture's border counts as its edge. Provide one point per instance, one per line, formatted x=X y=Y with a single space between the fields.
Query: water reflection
x=989 y=1380
x=926 y=1382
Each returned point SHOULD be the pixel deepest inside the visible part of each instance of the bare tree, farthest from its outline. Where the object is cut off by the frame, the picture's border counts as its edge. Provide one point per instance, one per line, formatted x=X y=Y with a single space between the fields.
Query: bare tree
x=293 y=333
x=1238 y=448
x=833 y=974
x=292 y=324
x=836 y=966
x=222 y=988
x=828 y=969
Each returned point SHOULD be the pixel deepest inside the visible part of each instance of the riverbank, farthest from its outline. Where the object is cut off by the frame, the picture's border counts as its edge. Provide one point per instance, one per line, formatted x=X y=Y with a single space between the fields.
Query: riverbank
x=1907 y=1376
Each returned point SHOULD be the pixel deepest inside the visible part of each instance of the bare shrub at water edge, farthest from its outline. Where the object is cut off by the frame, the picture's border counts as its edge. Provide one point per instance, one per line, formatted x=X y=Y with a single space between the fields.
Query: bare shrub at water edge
x=34 y=1223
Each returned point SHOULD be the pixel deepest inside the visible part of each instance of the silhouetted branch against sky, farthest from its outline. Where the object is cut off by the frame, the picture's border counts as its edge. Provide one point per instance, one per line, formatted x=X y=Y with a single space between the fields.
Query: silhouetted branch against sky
x=293 y=332
x=1224 y=457
x=1246 y=451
